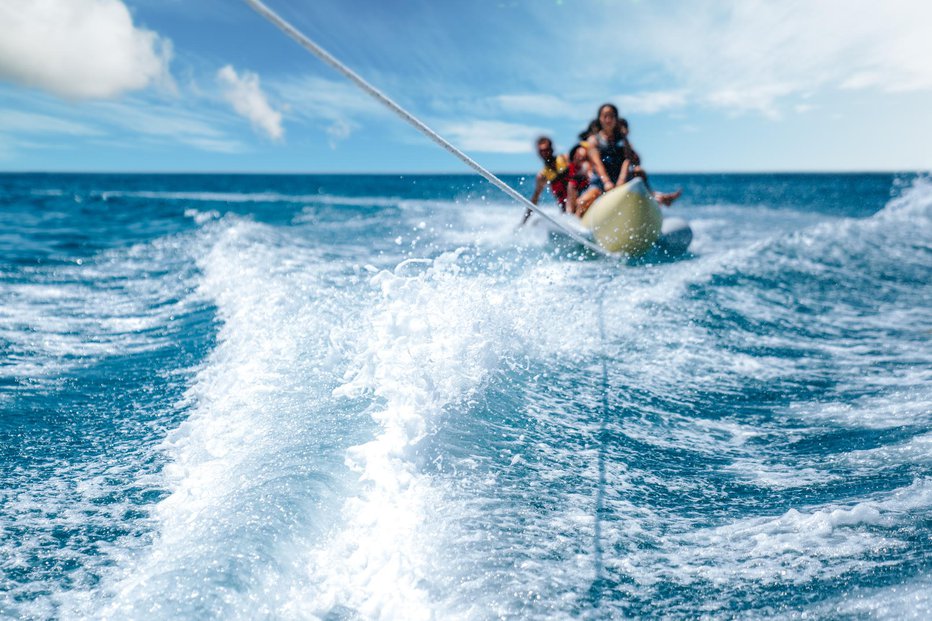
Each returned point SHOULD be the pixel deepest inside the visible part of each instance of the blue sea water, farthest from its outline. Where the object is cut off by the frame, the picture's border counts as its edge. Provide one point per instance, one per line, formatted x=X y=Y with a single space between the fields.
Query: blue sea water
x=368 y=397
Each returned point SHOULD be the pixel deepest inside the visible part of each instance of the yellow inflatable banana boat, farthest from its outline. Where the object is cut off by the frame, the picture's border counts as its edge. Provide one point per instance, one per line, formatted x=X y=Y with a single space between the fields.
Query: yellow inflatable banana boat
x=626 y=219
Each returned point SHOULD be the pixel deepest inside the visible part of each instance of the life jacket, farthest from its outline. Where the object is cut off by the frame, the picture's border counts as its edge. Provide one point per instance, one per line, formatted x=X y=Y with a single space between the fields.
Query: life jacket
x=612 y=154
x=559 y=169
x=557 y=175
x=578 y=177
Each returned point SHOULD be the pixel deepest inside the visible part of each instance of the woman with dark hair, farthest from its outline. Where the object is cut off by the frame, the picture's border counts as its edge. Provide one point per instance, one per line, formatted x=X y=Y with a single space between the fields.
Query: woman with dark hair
x=614 y=159
x=607 y=148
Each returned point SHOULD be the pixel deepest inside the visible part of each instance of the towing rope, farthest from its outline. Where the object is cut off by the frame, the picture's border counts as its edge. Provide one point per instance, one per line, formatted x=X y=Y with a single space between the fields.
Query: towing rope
x=325 y=56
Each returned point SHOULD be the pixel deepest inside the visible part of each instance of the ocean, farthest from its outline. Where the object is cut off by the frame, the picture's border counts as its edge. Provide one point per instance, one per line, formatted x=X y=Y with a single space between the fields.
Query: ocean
x=371 y=397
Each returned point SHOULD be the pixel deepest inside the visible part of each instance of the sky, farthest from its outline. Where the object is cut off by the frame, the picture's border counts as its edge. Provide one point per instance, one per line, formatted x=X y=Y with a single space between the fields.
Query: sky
x=707 y=85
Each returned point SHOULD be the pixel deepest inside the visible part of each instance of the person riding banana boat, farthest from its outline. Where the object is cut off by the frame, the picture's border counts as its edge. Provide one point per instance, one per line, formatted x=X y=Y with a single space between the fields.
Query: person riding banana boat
x=567 y=177
x=613 y=159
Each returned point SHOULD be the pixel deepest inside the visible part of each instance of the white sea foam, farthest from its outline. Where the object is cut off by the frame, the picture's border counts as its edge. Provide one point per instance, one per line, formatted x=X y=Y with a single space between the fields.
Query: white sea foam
x=261 y=197
x=433 y=340
x=202 y=217
x=915 y=451
x=426 y=345
x=799 y=546
x=76 y=503
x=496 y=224
x=244 y=495
x=116 y=303
x=901 y=602
x=771 y=474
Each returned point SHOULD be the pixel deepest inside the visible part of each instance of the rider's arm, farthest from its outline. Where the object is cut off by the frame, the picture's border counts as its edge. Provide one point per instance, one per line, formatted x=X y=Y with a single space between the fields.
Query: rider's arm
x=539 y=186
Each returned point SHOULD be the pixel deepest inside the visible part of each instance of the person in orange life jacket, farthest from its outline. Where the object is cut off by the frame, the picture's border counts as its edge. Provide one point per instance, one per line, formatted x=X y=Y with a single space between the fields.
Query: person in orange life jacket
x=555 y=173
x=580 y=194
x=631 y=168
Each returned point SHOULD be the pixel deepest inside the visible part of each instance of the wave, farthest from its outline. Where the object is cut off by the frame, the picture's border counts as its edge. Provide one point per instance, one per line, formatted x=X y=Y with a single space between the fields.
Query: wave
x=799 y=546
x=119 y=302
x=275 y=197
x=483 y=430
x=424 y=349
x=94 y=348
x=258 y=458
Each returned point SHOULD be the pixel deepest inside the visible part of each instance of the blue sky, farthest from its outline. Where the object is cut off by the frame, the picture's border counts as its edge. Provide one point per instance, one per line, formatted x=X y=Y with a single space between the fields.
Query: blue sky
x=707 y=85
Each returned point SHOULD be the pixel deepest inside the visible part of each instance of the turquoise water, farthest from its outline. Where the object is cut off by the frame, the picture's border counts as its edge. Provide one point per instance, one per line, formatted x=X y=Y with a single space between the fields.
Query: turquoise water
x=361 y=397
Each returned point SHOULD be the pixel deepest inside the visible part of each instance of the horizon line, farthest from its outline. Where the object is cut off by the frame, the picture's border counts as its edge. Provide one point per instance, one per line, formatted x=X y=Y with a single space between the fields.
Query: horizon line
x=452 y=173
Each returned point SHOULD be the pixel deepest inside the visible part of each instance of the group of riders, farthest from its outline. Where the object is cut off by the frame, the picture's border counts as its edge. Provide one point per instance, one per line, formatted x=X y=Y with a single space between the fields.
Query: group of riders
x=602 y=159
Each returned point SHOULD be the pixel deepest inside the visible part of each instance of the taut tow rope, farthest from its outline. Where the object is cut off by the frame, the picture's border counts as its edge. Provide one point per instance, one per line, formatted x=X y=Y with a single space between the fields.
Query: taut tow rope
x=325 y=56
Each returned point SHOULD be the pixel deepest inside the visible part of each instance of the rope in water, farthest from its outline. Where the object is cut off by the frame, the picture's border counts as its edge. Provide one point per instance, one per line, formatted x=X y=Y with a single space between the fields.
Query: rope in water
x=325 y=56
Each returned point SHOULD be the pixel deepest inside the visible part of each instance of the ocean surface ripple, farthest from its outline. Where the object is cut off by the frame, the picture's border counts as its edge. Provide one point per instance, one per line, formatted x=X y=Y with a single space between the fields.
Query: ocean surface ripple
x=371 y=397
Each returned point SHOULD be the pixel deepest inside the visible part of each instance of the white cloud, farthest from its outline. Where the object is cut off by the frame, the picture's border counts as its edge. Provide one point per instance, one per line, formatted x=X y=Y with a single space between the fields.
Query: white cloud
x=79 y=49
x=247 y=98
x=650 y=102
x=168 y=124
x=340 y=130
x=336 y=103
x=6 y=148
x=539 y=104
x=492 y=136
x=126 y=123
x=546 y=105
x=344 y=108
x=214 y=145
x=763 y=51
x=760 y=55
x=761 y=98
x=19 y=122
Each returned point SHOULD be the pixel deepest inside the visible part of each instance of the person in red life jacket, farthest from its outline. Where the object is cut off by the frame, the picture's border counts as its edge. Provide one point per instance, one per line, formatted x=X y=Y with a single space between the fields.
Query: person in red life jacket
x=631 y=168
x=555 y=173
x=579 y=193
